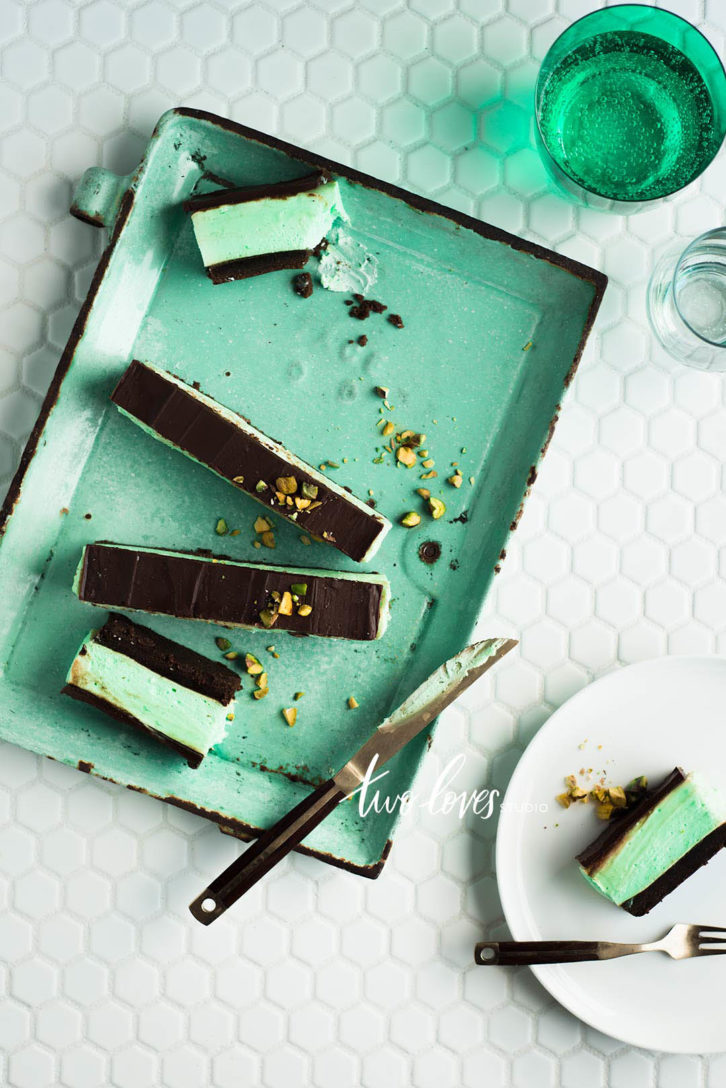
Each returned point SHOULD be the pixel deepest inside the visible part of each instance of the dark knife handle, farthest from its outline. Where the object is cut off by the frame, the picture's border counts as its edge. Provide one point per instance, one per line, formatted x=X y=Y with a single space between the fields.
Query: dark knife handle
x=510 y=953
x=265 y=852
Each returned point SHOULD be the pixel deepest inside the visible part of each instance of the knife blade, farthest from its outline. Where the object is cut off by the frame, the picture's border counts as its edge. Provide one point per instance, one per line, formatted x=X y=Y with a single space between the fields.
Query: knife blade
x=393 y=734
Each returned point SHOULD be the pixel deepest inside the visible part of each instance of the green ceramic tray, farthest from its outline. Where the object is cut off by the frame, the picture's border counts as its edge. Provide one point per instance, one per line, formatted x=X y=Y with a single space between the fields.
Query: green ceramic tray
x=471 y=297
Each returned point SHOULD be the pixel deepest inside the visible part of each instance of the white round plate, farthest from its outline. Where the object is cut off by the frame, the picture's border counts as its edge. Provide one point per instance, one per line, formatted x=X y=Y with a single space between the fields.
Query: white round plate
x=648 y=718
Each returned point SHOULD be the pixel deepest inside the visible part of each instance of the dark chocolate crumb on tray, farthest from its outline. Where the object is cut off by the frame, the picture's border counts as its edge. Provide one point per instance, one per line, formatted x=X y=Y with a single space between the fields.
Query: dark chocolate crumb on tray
x=302 y=284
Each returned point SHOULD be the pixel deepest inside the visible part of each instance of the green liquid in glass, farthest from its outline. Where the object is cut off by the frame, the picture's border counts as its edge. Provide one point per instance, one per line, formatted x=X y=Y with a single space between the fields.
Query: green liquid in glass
x=627 y=115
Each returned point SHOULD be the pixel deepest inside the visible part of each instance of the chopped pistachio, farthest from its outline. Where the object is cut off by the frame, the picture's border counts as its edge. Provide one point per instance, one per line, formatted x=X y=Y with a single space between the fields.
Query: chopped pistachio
x=238 y=479
x=221 y=527
x=617 y=796
x=290 y=715
x=256 y=544
x=286 y=484
x=262 y=525
x=411 y=519
x=471 y=480
x=416 y=439
x=423 y=453
x=404 y=436
x=305 y=540
x=378 y=460
x=260 y=486
x=280 y=496
x=437 y=508
x=232 y=655
x=285 y=608
x=604 y=812
x=268 y=617
x=298 y=695
x=310 y=491
x=223 y=644
x=428 y=463
x=261 y=680
x=300 y=588
x=353 y=702
x=235 y=532
x=301 y=504
x=253 y=665
x=388 y=428
x=406 y=456
x=455 y=480
x=528 y=345
x=268 y=539
x=230 y=716
x=429 y=475
x=423 y=492
x=304 y=610
x=332 y=464
x=564 y=799
x=322 y=467
x=260 y=693
x=381 y=391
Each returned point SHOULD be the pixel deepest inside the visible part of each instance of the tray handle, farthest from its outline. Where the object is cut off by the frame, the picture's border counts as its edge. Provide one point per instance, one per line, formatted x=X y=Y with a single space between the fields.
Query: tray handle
x=98 y=196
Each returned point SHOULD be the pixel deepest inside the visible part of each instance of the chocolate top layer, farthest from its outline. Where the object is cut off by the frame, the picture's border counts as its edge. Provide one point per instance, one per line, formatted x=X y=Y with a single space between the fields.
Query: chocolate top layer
x=222 y=591
x=169 y=659
x=198 y=429
x=276 y=190
x=594 y=855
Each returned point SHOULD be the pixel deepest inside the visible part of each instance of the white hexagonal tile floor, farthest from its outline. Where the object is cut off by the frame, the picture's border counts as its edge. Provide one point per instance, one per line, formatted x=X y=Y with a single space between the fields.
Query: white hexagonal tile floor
x=318 y=978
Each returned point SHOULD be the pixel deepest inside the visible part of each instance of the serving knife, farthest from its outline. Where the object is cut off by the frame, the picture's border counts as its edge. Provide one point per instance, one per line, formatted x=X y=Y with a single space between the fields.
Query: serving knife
x=393 y=734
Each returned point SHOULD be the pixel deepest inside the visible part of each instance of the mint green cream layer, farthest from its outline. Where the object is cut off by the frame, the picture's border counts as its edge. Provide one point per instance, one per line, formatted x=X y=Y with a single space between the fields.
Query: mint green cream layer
x=181 y=714
x=268 y=225
x=683 y=818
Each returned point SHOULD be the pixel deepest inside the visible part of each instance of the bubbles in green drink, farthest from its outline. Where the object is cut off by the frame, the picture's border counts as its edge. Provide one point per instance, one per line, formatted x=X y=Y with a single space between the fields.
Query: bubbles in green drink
x=627 y=115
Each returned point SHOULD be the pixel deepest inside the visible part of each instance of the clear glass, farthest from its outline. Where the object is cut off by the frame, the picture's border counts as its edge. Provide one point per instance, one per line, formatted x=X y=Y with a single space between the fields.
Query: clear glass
x=630 y=106
x=687 y=301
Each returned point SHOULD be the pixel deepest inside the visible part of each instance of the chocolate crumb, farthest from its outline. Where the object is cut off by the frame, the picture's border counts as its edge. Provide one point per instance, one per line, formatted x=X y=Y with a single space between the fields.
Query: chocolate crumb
x=88 y=516
x=302 y=284
x=454 y=564
x=463 y=517
x=320 y=247
x=395 y=319
x=364 y=307
x=195 y=385
x=429 y=551
x=363 y=340
x=371 y=503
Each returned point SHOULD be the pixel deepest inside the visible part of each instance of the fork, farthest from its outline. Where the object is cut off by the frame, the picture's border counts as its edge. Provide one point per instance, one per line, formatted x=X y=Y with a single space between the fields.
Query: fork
x=680 y=943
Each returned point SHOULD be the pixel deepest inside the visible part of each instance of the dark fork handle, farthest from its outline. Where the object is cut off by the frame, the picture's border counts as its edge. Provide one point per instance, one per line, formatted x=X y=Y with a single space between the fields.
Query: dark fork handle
x=509 y=953
x=265 y=852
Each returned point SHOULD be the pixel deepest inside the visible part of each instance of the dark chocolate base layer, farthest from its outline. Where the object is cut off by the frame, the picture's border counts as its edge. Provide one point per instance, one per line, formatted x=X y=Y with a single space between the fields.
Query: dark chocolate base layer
x=225 y=592
x=169 y=659
x=192 y=757
x=243 y=268
x=686 y=866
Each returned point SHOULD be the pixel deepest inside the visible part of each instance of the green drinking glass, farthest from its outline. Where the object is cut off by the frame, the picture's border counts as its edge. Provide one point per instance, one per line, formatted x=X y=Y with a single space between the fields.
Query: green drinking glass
x=630 y=105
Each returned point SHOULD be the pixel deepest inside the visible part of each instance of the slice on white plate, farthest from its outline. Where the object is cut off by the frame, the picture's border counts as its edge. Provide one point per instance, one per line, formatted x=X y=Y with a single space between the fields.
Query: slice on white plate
x=643 y=719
